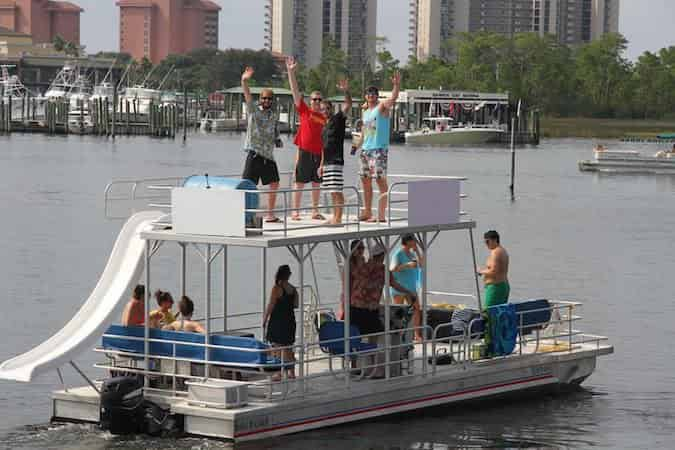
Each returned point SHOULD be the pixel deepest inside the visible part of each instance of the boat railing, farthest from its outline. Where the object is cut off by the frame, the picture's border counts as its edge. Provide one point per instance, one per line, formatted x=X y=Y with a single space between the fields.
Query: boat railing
x=397 y=194
x=155 y=193
x=318 y=375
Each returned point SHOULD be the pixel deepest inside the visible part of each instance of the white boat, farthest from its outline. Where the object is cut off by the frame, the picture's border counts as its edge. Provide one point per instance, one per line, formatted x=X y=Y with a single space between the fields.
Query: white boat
x=234 y=392
x=140 y=98
x=629 y=161
x=215 y=121
x=441 y=131
x=12 y=89
x=67 y=83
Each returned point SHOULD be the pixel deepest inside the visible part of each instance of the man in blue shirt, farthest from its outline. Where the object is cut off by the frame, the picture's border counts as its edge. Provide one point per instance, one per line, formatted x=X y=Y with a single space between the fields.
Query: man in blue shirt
x=375 y=147
x=405 y=267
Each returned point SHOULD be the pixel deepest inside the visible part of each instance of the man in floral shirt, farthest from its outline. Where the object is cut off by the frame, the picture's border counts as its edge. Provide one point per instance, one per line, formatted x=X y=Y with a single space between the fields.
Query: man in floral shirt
x=262 y=135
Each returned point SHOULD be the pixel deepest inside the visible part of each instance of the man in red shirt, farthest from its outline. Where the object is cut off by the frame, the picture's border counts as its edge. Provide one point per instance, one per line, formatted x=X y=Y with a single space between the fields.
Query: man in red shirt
x=308 y=140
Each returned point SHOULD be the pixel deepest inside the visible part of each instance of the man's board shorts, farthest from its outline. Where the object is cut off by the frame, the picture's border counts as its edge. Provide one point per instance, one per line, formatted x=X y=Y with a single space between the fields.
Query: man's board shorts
x=261 y=169
x=366 y=320
x=307 y=168
x=333 y=178
x=373 y=163
x=497 y=294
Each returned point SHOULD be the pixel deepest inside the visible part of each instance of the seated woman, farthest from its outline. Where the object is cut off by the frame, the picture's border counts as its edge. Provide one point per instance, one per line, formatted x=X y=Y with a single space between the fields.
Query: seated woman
x=185 y=323
x=279 y=319
x=163 y=315
x=134 y=310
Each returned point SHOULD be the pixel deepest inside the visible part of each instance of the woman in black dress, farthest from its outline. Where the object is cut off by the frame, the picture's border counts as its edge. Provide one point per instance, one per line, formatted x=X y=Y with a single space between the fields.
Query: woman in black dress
x=279 y=319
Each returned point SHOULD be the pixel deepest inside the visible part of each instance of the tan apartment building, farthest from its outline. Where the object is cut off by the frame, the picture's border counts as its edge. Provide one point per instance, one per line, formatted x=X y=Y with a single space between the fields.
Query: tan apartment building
x=156 y=29
x=433 y=22
x=298 y=27
x=42 y=19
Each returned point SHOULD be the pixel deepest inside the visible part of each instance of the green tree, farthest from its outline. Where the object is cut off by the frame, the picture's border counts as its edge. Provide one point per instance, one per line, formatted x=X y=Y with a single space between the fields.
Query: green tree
x=603 y=75
x=325 y=76
x=59 y=43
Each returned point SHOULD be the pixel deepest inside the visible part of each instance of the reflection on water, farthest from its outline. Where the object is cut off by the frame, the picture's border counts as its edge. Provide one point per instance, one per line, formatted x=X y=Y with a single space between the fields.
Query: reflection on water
x=604 y=240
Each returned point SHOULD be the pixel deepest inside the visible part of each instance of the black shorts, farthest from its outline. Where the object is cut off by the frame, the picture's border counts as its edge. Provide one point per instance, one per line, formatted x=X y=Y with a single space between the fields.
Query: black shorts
x=366 y=320
x=262 y=169
x=307 y=168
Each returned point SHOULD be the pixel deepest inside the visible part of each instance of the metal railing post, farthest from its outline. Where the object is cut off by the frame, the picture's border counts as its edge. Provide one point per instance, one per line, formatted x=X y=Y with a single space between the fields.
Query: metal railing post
x=146 y=333
x=207 y=328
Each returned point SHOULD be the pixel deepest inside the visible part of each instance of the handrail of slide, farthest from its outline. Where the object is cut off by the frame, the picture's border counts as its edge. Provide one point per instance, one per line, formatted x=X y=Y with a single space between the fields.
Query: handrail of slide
x=103 y=306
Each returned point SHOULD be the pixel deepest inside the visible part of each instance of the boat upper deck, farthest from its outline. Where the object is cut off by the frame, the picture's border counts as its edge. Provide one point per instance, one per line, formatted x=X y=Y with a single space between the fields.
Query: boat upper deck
x=306 y=232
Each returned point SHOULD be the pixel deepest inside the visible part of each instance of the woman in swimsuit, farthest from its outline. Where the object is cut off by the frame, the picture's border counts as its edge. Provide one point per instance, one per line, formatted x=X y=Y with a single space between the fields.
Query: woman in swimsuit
x=185 y=323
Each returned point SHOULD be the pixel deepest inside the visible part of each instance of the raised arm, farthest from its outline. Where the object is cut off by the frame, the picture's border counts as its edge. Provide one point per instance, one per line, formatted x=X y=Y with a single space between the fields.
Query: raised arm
x=248 y=73
x=387 y=104
x=343 y=86
x=291 y=67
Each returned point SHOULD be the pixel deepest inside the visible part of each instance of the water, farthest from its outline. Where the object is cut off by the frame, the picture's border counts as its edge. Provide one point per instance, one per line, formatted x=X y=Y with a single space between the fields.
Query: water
x=604 y=240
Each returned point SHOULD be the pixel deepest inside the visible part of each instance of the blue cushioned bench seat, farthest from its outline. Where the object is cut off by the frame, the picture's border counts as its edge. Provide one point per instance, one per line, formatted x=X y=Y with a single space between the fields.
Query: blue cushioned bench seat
x=331 y=339
x=533 y=315
x=190 y=347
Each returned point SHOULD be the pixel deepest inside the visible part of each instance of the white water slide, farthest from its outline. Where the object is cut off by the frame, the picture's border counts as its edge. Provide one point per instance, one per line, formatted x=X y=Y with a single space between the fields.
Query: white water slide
x=103 y=307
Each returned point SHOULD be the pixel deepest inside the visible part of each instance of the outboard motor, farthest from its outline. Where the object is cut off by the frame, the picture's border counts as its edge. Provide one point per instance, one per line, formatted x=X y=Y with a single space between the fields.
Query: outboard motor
x=122 y=410
x=125 y=411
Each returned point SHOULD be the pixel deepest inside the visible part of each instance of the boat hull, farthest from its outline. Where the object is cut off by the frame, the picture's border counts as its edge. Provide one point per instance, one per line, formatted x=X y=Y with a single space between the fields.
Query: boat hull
x=368 y=399
x=456 y=136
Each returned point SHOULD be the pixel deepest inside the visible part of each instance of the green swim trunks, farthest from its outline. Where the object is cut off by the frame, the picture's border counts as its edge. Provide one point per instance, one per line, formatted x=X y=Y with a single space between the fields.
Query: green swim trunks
x=497 y=294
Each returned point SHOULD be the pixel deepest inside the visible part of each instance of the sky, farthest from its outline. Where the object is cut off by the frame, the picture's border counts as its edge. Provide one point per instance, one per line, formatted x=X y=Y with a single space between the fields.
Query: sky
x=647 y=24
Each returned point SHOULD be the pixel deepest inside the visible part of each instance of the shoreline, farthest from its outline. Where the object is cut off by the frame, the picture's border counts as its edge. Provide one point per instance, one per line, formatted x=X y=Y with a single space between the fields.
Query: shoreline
x=592 y=128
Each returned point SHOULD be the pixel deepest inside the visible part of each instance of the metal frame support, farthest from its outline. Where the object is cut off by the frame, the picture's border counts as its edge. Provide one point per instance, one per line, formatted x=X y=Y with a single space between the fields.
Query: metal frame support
x=207 y=296
x=63 y=383
x=183 y=267
x=263 y=290
x=86 y=378
x=146 y=335
x=346 y=309
x=387 y=312
x=301 y=349
x=425 y=248
x=474 y=269
x=224 y=293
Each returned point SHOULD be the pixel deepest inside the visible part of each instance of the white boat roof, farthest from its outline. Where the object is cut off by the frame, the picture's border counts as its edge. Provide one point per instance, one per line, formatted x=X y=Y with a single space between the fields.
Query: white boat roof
x=273 y=234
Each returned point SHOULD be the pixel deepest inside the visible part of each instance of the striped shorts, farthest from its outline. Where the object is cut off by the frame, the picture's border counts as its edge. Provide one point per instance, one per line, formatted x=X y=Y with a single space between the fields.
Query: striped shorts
x=333 y=178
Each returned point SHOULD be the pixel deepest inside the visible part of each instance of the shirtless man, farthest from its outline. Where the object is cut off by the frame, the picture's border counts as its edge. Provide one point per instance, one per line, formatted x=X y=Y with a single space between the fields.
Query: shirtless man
x=495 y=271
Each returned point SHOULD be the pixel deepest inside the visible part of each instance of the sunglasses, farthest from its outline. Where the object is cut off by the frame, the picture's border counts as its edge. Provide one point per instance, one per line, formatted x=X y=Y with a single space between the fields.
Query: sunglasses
x=372 y=93
x=317 y=99
x=266 y=98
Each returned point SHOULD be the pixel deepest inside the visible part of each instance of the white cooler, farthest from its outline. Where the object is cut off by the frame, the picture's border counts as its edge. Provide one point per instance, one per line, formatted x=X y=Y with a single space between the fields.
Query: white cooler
x=218 y=393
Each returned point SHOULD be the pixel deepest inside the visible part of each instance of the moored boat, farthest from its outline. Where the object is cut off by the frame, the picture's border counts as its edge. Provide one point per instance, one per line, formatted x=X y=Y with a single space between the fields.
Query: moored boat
x=630 y=161
x=440 y=131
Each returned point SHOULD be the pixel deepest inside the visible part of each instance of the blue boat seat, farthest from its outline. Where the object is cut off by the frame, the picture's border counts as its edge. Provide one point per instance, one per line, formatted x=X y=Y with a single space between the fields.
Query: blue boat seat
x=190 y=347
x=332 y=341
x=332 y=335
x=533 y=315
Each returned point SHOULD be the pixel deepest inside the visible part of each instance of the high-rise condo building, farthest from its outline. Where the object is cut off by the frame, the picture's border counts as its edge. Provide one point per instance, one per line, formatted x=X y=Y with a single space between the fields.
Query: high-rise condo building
x=42 y=19
x=156 y=29
x=433 y=22
x=298 y=27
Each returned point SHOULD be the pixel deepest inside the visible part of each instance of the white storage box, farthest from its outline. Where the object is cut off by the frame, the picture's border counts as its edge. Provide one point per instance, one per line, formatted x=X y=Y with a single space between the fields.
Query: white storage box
x=217 y=393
